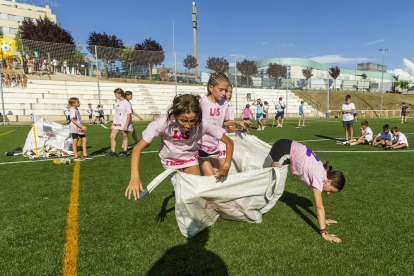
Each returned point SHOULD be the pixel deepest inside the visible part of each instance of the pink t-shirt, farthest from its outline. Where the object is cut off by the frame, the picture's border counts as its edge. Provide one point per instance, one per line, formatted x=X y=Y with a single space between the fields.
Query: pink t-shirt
x=215 y=114
x=122 y=111
x=179 y=149
x=246 y=113
x=306 y=165
x=74 y=114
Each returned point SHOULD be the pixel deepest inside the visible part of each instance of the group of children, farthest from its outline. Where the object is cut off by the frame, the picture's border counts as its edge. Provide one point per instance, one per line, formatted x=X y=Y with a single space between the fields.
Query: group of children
x=13 y=80
x=390 y=138
x=262 y=111
x=194 y=140
x=122 y=122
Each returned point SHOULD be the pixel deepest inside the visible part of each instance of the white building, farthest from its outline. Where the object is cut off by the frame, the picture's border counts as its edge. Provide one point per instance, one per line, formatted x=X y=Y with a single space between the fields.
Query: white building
x=12 y=13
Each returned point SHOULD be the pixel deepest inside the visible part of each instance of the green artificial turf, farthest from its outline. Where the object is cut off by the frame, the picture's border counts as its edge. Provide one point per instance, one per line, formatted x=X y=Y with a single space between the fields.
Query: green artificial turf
x=119 y=237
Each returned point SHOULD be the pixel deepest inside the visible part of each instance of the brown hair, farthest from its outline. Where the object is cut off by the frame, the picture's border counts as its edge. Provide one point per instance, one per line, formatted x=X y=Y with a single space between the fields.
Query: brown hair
x=347 y=97
x=394 y=129
x=120 y=91
x=185 y=104
x=337 y=177
x=128 y=93
x=247 y=106
x=215 y=79
x=386 y=126
x=72 y=101
x=364 y=123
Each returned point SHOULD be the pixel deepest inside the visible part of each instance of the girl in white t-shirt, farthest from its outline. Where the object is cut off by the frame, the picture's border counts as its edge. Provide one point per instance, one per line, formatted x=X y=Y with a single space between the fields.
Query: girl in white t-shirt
x=216 y=112
x=97 y=114
x=128 y=95
x=180 y=130
x=122 y=122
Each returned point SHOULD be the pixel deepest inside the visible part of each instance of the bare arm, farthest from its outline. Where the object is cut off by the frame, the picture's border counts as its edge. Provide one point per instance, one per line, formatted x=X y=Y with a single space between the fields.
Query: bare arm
x=224 y=169
x=135 y=184
x=136 y=115
x=320 y=213
x=127 y=122
x=78 y=125
x=374 y=141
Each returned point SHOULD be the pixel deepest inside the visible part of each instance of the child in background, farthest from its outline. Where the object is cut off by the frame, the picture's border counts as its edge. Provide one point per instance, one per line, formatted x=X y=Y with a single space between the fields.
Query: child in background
x=347 y=110
x=216 y=112
x=101 y=115
x=301 y=114
x=404 y=112
x=259 y=114
x=122 y=122
x=128 y=95
x=386 y=137
x=180 y=130
x=265 y=111
x=310 y=170
x=97 y=114
x=77 y=130
x=400 y=141
x=90 y=111
x=66 y=112
x=246 y=114
x=366 y=136
x=355 y=115
x=280 y=107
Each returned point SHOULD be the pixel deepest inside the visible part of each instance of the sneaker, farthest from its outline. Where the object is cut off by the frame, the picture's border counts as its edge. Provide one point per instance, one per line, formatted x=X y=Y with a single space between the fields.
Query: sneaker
x=389 y=148
x=263 y=127
x=125 y=154
x=88 y=157
x=401 y=123
x=281 y=126
x=299 y=124
x=337 y=142
x=303 y=125
x=78 y=158
x=259 y=129
x=111 y=154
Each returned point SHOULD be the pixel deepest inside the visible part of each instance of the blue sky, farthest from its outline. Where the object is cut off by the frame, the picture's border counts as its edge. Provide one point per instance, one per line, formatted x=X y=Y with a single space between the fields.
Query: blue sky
x=326 y=31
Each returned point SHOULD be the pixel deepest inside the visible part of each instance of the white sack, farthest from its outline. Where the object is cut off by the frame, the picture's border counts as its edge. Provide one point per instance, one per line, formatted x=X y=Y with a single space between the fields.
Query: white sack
x=52 y=139
x=249 y=191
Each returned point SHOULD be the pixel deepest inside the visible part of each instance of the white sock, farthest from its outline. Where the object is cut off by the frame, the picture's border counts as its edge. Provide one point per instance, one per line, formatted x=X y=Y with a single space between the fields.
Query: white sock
x=352 y=144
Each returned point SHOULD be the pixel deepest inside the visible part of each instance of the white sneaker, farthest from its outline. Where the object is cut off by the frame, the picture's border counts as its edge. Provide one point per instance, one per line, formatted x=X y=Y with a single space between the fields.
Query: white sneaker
x=263 y=127
x=259 y=129
x=281 y=126
x=299 y=125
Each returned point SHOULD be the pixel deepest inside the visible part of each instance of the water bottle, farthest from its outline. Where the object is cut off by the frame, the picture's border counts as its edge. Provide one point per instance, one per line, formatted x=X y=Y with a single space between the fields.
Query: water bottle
x=64 y=161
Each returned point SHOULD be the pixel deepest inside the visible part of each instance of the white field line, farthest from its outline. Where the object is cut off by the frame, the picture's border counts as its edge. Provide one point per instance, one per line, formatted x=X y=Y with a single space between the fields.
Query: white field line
x=103 y=126
x=364 y=151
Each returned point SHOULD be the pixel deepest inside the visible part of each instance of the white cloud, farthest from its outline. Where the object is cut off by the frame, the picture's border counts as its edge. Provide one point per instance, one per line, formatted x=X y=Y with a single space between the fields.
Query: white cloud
x=339 y=59
x=265 y=43
x=407 y=73
x=375 y=41
x=409 y=65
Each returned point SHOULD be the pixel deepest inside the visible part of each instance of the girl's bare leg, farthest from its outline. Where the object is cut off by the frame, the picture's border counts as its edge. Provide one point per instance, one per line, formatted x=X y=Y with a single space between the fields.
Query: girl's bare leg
x=206 y=166
x=192 y=170
x=125 y=140
x=114 y=133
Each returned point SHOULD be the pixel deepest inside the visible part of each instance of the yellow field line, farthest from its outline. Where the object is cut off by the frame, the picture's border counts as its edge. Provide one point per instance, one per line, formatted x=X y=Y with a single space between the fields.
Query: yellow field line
x=71 y=243
x=7 y=132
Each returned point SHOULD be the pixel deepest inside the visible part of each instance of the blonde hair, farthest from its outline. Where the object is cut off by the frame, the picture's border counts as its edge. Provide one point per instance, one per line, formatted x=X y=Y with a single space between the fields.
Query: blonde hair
x=72 y=101
x=215 y=79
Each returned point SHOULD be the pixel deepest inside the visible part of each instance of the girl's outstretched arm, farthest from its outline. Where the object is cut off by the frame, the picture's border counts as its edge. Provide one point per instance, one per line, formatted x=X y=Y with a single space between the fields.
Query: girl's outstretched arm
x=135 y=184
x=224 y=169
x=320 y=213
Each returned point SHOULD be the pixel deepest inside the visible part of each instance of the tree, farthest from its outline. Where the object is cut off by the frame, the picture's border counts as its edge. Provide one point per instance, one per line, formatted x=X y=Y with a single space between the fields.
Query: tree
x=126 y=57
x=247 y=68
x=107 y=46
x=218 y=65
x=150 y=53
x=307 y=73
x=396 y=81
x=1 y=32
x=334 y=72
x=364 y=77
x=276 y=71
x=190 y=62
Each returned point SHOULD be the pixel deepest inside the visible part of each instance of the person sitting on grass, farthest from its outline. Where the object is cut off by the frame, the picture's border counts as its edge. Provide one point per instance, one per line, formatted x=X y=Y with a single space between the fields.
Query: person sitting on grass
x=364 y=139
x=310 y=170
x=386 y=137
x=399 y=140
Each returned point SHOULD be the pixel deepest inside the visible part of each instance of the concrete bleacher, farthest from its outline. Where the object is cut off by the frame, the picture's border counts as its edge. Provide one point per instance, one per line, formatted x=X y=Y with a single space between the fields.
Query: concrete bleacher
x=48 y=98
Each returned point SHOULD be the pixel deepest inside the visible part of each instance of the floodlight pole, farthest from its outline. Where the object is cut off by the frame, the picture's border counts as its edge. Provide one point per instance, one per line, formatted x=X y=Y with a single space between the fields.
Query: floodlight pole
x=235 y=78
x=194 y=18
x=97 y=74
x=287 y=77
x=382 y=77
x=1 y=91
x=356 y=54
x=175 y=62
x=327 y=111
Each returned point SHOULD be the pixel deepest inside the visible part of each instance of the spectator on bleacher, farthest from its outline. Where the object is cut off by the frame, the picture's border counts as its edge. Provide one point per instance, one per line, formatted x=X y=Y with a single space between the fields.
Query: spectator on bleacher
x=13 y=80
x=18 y=80
x=25 y=68
x=44 y=65
x=24 y=81
x=36 y=64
